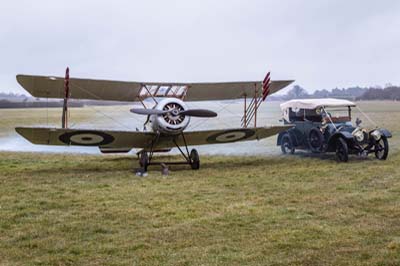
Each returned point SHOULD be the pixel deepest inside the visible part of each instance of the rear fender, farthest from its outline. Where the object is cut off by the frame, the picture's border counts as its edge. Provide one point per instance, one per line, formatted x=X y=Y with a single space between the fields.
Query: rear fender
x=280 y=135
x=292 y=135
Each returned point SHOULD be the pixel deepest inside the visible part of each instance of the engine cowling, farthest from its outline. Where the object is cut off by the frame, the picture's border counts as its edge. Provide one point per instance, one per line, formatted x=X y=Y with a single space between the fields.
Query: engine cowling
x=171 y=122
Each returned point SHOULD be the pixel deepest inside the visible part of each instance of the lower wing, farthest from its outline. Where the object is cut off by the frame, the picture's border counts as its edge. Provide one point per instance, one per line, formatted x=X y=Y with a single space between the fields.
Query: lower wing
x=222 y=136
x=106 y=139
x=122 y=141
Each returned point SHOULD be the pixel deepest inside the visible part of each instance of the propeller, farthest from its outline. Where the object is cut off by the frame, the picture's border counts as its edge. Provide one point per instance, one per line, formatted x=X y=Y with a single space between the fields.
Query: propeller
x=142 y=111
x=175 y=112
x=199 y=113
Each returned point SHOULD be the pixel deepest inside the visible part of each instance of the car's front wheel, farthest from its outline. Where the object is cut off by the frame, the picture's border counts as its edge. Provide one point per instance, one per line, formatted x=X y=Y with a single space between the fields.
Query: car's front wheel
x=382 y=148
x=287 y=145
x=342 y=151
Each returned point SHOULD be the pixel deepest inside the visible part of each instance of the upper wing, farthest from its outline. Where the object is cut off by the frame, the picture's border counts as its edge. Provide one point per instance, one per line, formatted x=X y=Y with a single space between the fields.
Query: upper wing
x=53 y=87
x=91 y=89
x=222 y=136
x=230 y=90
x=82 y=137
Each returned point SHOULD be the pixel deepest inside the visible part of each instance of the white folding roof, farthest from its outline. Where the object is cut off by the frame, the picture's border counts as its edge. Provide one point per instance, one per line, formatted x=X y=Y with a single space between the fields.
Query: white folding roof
x=315 y=103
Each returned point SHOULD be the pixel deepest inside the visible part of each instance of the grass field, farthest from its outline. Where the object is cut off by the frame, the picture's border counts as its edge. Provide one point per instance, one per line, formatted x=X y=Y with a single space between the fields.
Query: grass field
x=60 y=209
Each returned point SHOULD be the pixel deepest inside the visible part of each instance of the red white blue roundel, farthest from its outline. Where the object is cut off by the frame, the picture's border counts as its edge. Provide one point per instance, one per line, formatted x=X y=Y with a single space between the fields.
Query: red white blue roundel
x=231 y=136
x=86 y=138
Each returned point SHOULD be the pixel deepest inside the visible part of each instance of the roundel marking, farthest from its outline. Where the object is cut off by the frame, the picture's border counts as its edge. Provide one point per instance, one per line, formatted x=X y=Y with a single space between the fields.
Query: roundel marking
x=231 y=136
x=86 y=138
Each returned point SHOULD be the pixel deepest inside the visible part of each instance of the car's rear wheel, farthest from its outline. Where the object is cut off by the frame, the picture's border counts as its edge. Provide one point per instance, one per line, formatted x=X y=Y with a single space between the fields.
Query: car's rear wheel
x=287 y=144
x=342 y=150
x=316 y=140
x=382 y=148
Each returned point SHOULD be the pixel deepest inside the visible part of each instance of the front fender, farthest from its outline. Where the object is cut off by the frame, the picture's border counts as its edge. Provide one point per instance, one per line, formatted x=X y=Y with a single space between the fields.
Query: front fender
x=332 y=140
x=385 y=132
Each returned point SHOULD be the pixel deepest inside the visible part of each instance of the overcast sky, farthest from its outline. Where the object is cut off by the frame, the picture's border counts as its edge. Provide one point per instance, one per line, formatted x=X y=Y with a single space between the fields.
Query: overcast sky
x=319 y=43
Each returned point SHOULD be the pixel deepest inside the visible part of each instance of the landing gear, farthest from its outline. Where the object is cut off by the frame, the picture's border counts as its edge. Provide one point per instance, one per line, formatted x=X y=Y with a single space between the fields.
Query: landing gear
x=192 y=158
x=144 y=160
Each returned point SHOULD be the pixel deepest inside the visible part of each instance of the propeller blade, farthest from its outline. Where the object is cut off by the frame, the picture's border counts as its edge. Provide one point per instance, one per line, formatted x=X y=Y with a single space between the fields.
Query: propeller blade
x=199 y=113
x=191 y=112
x=142 y=111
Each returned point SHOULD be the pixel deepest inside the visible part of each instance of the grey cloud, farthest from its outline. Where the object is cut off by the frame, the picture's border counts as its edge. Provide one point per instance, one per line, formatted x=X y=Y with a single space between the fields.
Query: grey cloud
x=320 y=43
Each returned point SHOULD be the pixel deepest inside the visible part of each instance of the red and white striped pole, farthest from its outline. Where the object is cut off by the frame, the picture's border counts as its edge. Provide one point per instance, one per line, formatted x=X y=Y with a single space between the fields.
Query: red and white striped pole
x=266 y=84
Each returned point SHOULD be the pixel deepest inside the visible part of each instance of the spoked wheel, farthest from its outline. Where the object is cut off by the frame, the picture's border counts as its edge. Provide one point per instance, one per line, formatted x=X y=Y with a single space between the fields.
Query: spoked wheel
x=382 y=148
x=287 y=145
x=316 y=140
x=194 y=159
x=144 y=160
x=342 y=151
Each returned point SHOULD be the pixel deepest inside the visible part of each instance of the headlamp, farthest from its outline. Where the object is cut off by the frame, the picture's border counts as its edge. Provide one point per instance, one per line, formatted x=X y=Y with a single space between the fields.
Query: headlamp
x=376 y=134
x=359 y=135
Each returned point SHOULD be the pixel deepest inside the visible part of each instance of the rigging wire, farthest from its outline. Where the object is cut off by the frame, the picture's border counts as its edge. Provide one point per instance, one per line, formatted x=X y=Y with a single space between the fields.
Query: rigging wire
x=201 y=122
x=222 y=107
x=364 y=114
x=102 y=113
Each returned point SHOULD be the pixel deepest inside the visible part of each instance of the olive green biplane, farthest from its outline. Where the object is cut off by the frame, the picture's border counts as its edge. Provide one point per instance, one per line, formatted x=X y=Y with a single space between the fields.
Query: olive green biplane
x=168 y=116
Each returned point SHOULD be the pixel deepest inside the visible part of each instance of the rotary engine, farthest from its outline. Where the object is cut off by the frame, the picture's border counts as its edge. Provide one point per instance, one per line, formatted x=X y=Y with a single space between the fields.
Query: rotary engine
x=173 y=121
x=171 y=115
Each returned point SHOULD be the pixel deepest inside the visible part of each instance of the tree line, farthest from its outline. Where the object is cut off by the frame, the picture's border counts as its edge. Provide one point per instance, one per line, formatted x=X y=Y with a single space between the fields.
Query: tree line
x=353 y=93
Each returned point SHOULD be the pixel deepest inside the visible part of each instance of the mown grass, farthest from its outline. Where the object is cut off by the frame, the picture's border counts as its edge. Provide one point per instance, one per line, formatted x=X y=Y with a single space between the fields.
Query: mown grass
x=298 y=210
x=92 y=210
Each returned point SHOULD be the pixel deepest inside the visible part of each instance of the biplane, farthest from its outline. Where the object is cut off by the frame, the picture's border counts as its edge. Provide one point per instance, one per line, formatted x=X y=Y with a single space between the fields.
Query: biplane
x=168 y=115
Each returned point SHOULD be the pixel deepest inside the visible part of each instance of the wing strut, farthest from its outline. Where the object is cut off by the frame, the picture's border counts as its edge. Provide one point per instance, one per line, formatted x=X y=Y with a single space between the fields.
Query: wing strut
x=64 y=118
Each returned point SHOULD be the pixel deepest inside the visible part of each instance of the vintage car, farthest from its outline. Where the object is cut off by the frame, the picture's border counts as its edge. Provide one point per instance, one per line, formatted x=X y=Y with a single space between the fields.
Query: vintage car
x=324 y=125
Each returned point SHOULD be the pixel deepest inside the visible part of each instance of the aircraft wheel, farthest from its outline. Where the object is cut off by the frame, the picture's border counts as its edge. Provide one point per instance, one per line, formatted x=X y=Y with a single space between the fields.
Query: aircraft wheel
x=144 y=160
x=342 y=151
x=194 y=159
x=382 y=148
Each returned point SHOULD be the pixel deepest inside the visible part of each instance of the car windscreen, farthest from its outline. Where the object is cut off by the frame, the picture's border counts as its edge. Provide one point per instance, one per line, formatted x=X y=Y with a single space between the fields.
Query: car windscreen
x=338 y=114
x=304 y=115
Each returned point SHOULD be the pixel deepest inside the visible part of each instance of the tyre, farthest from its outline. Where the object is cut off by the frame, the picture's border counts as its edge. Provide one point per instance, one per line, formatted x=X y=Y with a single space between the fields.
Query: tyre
x=382 y=148
x=194 y=159
x=342 y=151
x=316 y=140
x=144 y=160
x=287 y=144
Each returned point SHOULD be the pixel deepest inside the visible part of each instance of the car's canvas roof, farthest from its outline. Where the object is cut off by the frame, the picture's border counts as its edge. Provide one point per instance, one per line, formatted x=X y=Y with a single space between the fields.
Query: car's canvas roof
x=315 y=103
